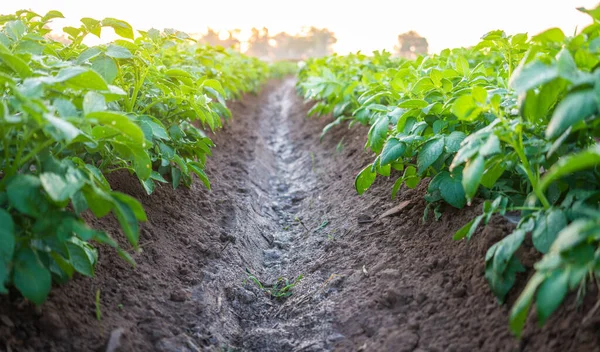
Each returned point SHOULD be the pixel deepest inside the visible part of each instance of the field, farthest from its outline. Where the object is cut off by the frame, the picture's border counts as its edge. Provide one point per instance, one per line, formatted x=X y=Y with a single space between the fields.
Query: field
x=157 y=194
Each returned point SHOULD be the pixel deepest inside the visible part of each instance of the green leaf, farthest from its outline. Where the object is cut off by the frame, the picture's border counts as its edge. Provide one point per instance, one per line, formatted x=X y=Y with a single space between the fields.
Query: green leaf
x=468 y=229
x=595 y=12
x=81 y=77
x=479 y=94
x=133 y=204
x=88 y=54
x=122 y=28
x=7 y=240
x=573 y=235
x=547 y=227
x=410 y=177
x=92 y=25
x=570 y=164
x=452 y=190
x=413 y=104
x=501 y=264
x=551 y=293
x=198 y=170
x=141 y=160
x=30 y=277
x=532 y=75
x=396 y=187
x=462 y=65
x=128 y=221
x=175 y=177
x=453 y=141
x=378 y=134
x=63 y=130
x=466 y=108
x=392 y=151
x=99 y=202
x=506 y=249
x=520 y=310
x=118 y=52
x=52 y=14
x=119 y=122
x=429 y=153
x=93 y=102
x=364 y=179
x=106 y=67
x=492 y=174
x=574 y=108
x=552 y=35
x=80 y=259
x=156 y=127
x=472 y=174
x=15 y=63
x=72 y=31
x=24 y=195
x=15 y=29
x=3 y=278
x=57 y=187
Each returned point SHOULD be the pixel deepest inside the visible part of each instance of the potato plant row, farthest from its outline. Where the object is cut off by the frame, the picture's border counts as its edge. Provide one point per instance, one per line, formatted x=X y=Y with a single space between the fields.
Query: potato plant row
x=513 y=121
x=70 y=114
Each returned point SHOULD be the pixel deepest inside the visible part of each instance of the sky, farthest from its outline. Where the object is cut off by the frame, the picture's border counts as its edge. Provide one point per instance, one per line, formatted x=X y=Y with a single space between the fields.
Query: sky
x=358 y=25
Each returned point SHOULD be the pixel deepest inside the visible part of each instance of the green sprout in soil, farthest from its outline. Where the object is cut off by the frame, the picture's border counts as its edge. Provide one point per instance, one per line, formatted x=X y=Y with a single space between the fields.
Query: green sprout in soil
x=282 y=288
x=98 y=310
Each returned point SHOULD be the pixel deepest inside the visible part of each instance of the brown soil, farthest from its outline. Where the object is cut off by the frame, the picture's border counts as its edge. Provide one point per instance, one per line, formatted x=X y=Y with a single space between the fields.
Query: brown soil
x=282 y=205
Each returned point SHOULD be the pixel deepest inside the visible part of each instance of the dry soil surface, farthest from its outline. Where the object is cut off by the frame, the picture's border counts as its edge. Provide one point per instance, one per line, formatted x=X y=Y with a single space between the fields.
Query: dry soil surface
x=283 y=206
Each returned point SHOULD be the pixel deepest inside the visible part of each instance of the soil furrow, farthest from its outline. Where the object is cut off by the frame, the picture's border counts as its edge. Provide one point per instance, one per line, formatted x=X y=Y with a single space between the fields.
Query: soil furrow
x=282 y=205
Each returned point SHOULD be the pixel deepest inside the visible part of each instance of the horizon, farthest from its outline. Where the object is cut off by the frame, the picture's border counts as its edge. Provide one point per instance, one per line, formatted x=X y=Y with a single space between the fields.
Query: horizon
x=443 y=24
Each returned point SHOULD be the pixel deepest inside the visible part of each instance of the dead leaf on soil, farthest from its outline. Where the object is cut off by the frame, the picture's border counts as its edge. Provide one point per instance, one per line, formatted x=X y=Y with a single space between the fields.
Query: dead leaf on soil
x=114 y=342
x=395 y=210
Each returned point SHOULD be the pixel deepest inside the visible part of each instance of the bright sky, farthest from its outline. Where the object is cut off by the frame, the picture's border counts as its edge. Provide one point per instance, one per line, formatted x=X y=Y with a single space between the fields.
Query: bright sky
x=358 y=25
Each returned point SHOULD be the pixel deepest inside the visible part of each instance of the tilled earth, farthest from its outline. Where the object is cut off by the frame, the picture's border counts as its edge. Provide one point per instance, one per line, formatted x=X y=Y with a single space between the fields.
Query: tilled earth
x=370 y=275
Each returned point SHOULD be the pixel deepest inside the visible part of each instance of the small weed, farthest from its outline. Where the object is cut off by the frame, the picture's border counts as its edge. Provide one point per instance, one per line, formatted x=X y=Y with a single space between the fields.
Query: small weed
x=301 y=223
x=340 y=146
x=282 y=288
x=322 y=226
x=120 y=306
x=98 y=310
x=312 y=157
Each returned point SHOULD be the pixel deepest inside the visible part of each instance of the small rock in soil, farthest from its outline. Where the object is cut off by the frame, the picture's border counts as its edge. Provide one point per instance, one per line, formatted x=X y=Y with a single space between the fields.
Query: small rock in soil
x=335 y=337
x=6 y=321
x=401 y=341
x=114 y=342
x=52 y=323
x=389 y=274
x=179 y=343
x=364 y=219
x=179 y=295
x=245 y=296
x=271 y=255
x=281 y=245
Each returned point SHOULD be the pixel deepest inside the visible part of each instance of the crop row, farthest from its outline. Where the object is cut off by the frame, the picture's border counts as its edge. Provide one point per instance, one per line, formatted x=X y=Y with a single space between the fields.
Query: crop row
x=512 y=120
x=70 y=114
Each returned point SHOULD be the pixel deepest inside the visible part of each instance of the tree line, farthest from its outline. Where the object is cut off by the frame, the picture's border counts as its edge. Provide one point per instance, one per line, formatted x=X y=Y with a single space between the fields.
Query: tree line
x=313 y=42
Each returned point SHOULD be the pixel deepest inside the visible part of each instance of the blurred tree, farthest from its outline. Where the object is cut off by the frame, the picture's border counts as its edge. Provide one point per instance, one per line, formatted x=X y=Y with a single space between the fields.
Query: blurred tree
x=212 y=38
x=322 y=41
x=284 y=46
x=59 y=37
x=258 y=43
x=410 y=45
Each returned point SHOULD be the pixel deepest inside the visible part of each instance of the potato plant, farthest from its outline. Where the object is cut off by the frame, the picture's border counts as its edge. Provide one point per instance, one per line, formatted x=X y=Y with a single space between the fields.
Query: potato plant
x=512 y=120
x=71 y=114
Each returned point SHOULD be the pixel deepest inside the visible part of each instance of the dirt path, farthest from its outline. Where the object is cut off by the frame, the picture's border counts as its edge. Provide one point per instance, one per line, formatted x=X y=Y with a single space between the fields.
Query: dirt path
x=283 y=205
